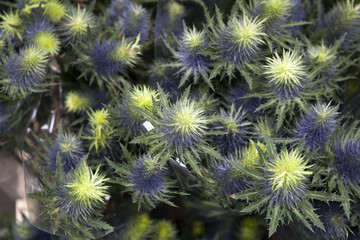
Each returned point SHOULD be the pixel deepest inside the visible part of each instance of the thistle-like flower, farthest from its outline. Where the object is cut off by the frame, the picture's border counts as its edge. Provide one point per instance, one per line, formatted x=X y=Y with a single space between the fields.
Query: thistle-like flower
x=78 y=102
x=82 y=193
x=164 y=230
x=236 y=95
x=126 y=52
x=183 y=125
x=165 y=77
x=70 y=150
x=76 y=24
x=125 y=117
x=101 y=59
x=286 y=74
x=11 y=24
x=236 y=128
x=344 y=18
x=335 y=223
x=135 y=21
x=240 y=41
x=250 y=156
x=54 y=10
x=324 y=57
x=279 y=12
x=317 y=125
x=147 y=181
x=229 y=179
x=191 y=61
x=24 y=73
x=169 y=19
x=346 y=159
x=288 y=173
x=42 y=34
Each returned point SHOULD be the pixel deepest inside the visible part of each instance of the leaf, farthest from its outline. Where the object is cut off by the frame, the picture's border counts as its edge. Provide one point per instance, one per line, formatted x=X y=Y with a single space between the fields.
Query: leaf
x=245 y=195
x=302 y=218
x=255 y=206
x=308 y=211
x=324 y=196
x=345 y=194
x=274 y=219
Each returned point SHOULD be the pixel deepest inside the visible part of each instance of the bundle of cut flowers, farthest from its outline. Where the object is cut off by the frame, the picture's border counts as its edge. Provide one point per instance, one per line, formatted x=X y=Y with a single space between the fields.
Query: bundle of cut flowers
x=193 y=119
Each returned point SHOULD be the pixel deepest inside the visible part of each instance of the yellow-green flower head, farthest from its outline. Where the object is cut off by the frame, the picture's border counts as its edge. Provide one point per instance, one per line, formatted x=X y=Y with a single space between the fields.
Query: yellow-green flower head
x=99 y=118
x=141 y=228
x=33 y=59
x=82 y=193
x=11 y=24
x=273 y=9
x=127 y=53
x=176 y=10
x=183 y=125
x=250 y=156
x=76 y=24
x=193 y=40
x=286 y=74
x=164 y=230
x=55 y=10
x=264 y=127
x=47 y=42
x=321 y=53
x=349 y=11
x=288 y=173
x=142 y=97
x=251 y=228
x=76 y=102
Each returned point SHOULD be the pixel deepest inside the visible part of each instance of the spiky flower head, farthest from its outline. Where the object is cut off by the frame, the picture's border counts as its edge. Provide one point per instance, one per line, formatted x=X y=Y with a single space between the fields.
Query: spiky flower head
x=165 y=77
x=286 y=74
x=321 y=53
x=317 y=125
x=229 y=179
x=236 y=95
x=288 y=173
x=169 y=19
x=346 y=159
x=336 y=226
x=11 y=24
x=77 y=22
x=42 y=34
x=135 y=21
x=250 y=155
x=164 y=230
x=76 y=102
x=183 y=124
x=236 y=128
x=82 y=193
x=279 y=12
x=79 y=102
x=147 y=180
x=99 y=118
x=70 y=150
x=126 y=52
x=240 y=40
x=192 y=61
x=24 y=72
x=142 y=97
x=54 y=10
x=141 y=228
x=100 y=58
x=344 y=18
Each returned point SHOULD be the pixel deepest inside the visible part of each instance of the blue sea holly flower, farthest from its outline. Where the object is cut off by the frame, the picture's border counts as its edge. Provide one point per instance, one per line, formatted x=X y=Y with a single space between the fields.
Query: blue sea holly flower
x=24 y=72
x=317 y=125
x=236 y=95
x=236 y=130
x=169 y=19
x=286 y=74
x=343 y=18
x=166 y=77
x=324 y=57
x=346 y=159
x=288 y=174
x=70 y=150
x=146 y=179
x=43 y=35
x=116 y=9
x=278 y=13
x=190 y=59
x=228 y=179
x=335 y=223
x=136 y=21
x=76 y=23
x=239 y=41
x=82 y=193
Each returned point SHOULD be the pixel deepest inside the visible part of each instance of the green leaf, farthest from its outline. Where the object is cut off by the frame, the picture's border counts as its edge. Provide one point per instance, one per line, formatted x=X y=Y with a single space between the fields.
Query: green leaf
x=345 y=194
x=255 y=206
x=275 y=217
x=302 y=218
x=308 y=211
x=245 y=195
x=324 y=196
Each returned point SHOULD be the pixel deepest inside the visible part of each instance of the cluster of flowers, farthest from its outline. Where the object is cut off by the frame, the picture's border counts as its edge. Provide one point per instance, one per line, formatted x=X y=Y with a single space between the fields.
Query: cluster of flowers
x=239 y=113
